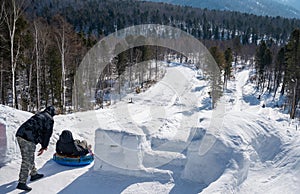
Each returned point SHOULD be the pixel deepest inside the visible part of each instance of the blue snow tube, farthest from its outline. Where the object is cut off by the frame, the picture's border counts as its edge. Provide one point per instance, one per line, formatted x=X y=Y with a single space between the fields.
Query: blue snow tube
x=73 y=160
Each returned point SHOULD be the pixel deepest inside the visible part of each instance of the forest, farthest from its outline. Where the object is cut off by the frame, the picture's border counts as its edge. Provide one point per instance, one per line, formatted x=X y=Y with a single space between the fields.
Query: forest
x=42 y=43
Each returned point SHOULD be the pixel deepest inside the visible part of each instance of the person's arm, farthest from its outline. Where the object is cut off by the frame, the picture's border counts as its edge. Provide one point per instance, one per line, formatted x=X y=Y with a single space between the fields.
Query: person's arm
x=47 y=134
x=57 y=147
x=80 y=151
x=45 y=142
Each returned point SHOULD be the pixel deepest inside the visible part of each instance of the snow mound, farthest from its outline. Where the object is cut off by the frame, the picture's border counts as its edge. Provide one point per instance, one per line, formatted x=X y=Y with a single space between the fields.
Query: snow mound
x=10 y=120
x=3 y=144
x=121 y=152
x=256 y=150
x=209 y=167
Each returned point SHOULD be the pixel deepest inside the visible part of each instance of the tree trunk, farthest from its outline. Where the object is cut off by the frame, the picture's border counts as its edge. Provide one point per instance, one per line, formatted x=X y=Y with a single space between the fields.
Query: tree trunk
x=130 y=68
x=275 y=89
x=63 y=74
x=29 y=88
x=294 y=101
x=75 y=97
x=1 y=83
x=37 y=67
x=269 y=82
x=156 y=58
x=11 y=17
x=62 y=49
x=13 y=68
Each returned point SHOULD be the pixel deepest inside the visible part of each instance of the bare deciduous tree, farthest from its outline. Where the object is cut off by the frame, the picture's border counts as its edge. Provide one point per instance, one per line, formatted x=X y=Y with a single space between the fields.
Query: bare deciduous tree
x=1 y=47
x=64 y=36
x=12 y=13
x=41 y=40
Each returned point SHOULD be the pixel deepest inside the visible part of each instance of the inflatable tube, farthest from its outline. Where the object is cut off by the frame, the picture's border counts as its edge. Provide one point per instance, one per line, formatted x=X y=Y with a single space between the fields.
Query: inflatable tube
x=73 y=161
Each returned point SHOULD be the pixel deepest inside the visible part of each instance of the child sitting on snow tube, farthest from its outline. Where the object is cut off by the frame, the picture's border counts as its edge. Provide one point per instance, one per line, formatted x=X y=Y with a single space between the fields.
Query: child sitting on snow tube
x=66 y=145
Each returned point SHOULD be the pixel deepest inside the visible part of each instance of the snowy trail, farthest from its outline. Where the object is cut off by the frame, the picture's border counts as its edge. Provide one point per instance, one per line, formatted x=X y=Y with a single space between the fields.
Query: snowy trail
x=164 y=104
x=161 y=101
x=257 y=150
x=240 y=82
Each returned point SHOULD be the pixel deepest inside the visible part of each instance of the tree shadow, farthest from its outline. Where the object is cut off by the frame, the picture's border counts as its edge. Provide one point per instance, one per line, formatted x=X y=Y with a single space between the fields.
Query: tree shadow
x=8 y=187
x=105 y=182
x=251 y=100
x=184 y=186
x=48 y=169
x=51 y=168
x=199 y=88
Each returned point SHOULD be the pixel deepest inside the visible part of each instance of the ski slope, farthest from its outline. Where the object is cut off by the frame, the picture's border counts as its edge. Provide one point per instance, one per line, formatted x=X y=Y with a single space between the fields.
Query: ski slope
x=257 y=150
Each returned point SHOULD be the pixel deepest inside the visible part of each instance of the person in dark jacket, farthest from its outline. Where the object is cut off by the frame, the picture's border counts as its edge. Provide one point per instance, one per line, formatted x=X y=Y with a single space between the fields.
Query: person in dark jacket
x=36 y=130
x=66 y=145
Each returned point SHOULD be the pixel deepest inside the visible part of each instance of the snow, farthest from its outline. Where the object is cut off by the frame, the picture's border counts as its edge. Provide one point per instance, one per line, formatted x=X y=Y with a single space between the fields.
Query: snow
x=166 y=142
x=118 y=150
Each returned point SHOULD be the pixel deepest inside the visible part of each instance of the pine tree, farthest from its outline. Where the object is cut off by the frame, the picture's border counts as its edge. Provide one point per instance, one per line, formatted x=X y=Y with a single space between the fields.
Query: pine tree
x=122 y=60
x=218 y=56
x=292 y=75
x=53 y=80
x=227 y=65
x=263 y=59
x=279 y=69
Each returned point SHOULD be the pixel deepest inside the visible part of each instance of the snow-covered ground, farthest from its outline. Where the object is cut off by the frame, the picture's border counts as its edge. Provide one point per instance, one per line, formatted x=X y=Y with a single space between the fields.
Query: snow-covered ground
x=257 y=150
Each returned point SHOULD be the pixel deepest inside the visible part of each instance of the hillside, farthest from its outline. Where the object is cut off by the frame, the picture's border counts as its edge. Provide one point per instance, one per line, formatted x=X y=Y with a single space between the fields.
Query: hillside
x=83 y=23
x=104 y=17
x=255 y=149
x=293 y=3
x=257 y=7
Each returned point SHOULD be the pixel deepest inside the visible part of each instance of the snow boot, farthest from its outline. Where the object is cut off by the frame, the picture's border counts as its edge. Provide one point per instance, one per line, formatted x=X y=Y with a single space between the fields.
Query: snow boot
x=24 y=187
x=36 y=177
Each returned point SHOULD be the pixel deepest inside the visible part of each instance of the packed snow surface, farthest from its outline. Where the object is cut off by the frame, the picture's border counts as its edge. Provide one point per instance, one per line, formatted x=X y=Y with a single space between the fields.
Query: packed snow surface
x=155 y=144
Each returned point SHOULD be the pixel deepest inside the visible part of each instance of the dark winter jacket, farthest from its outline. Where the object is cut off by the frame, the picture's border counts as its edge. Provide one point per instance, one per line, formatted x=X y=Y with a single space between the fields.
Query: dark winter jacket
x=68 y=146
x=39 y=128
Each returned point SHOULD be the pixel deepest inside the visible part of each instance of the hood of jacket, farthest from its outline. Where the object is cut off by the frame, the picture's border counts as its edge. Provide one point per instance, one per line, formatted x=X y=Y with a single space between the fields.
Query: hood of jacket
x=66 y=137
x=50 y=110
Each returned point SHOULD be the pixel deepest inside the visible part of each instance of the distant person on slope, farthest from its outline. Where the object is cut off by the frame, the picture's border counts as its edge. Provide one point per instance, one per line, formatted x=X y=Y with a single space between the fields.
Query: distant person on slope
x=66 y=145
x=36 y=130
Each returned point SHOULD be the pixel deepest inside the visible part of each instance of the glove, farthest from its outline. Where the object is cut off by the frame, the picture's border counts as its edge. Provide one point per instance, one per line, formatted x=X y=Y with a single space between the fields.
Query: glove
x=41 y=151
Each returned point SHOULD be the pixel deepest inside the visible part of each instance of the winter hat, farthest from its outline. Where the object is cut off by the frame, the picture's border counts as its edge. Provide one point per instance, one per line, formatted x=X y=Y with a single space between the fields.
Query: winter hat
x=50 y=110
x=66 y=136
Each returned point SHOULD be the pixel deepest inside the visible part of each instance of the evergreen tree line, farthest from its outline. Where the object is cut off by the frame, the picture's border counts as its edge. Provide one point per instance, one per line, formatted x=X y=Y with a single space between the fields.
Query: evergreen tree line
x=278 y=70
x=132 y=69
x=43 y=42
x=39 y=58
x=101 y=17
x=224 y=61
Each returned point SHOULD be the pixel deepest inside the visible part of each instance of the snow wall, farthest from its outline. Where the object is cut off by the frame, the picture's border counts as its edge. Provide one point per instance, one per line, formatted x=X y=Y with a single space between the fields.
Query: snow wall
x=127 y=153
x=3 y=144
x=123 y=153
x=118 y=151
x=207 y=168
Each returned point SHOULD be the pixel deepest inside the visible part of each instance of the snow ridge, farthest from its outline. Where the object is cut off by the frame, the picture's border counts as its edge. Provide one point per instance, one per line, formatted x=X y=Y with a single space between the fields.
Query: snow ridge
x=154 y=146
